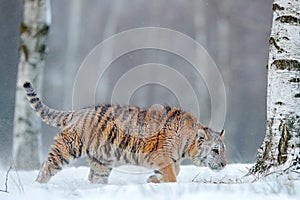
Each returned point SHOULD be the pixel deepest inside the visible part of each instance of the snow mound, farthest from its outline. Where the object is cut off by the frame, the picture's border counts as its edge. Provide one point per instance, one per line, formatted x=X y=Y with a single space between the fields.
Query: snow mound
x=129 y=182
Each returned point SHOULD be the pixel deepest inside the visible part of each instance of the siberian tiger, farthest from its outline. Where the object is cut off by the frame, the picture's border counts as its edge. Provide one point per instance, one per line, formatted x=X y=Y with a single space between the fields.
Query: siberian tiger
x=158 y=138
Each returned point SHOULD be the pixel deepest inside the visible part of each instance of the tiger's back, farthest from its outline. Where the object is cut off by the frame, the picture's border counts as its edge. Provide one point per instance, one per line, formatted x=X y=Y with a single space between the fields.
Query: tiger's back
x=159 y=138
x=131 y=134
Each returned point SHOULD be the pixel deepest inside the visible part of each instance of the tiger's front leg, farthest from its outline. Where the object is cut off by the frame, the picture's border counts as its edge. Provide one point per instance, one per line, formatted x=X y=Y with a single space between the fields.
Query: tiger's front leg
x=165 y=174
x=99 y=171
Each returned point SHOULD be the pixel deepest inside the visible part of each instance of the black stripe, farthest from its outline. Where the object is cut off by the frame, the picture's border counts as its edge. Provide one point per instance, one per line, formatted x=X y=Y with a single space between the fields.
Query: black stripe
x=103 y=127
x=54 y=116
x=118 y=119
x=51 y=154
x=170 y=118
x=103 y=110
x=106 y=120
x=118 y=111
x=127 y=141
x=95 y=129
x=107 y=150
x=95 y=118
x=72 y=153
x=136 y=147
x=118 y=154
x=126 y=160
x=71 y=149
x=141 y=120
x=125 y=115
x=176 y=113
x=50 y=113
x=135 y=158
x=72 y=115
x=38 y=107
x=49 y=169
x=113 y=134
x=139 y=144
x=166 y=113
x=58 y=119
x=101 y=175
x=154 y=114
x=31 y=94
x=64 y=160
x=149 y=127
x=64 y=121
x=167 y=110
x=33 y=100
x=84 y=117
x=103 y=122
x=27 y=85
x=88 y=153
x=121 y=144
x=131 y=123
x=44 y=113
x=61 y=158
x=80 y=148
x=89 y=143
x=157 y=142
x=155 y=127
x=77 y=118
x=98 y=161
x=55 y=162
x=185 y=147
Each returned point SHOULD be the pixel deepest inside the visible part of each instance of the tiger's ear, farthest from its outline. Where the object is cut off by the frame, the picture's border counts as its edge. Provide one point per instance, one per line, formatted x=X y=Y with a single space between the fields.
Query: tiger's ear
x=202 y=135
x=222 y=133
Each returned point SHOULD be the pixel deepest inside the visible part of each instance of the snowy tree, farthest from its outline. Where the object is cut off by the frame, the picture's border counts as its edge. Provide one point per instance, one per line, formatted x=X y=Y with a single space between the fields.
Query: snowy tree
x=281 y=145
x=27 y=128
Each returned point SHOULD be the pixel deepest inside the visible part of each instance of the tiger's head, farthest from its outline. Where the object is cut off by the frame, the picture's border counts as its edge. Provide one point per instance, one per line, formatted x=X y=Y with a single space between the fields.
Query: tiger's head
x=211 y=149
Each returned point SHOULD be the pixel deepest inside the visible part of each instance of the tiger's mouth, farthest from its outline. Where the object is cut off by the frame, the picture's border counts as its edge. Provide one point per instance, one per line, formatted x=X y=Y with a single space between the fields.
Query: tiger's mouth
x=207 y=162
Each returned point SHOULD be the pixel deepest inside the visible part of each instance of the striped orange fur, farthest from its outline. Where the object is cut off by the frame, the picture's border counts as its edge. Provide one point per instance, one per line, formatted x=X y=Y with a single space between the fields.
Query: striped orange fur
x=158 y=138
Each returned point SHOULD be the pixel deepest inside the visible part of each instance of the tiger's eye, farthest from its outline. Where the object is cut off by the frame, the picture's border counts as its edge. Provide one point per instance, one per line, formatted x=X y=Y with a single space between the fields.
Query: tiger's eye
x=216 y=151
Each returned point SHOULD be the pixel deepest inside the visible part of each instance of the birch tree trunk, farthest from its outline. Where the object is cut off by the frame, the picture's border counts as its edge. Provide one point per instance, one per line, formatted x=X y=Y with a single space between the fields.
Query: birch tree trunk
x=27 y=127
x=281 y=146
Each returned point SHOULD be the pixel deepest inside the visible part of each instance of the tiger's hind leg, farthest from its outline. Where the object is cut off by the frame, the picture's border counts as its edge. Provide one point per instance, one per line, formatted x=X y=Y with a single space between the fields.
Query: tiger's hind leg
x=99 y=171
x=67 y=145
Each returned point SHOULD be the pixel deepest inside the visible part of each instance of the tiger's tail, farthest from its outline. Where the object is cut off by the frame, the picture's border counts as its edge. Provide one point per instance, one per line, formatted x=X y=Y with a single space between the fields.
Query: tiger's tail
x=49 y=116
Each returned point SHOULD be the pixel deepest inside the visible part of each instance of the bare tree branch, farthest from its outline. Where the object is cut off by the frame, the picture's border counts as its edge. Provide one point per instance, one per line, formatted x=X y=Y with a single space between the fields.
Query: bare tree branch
x=6 y=181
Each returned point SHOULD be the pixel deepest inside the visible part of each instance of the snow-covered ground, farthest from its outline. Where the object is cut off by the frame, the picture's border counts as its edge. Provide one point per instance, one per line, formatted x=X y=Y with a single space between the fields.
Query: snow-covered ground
x=128 y=182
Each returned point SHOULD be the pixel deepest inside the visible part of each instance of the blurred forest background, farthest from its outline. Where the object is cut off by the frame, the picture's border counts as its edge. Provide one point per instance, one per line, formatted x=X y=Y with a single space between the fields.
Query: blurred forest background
x=235 y=34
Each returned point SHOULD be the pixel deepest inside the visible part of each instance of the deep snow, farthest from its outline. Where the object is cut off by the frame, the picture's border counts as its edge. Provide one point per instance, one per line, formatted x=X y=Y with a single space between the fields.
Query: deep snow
x=128 y=182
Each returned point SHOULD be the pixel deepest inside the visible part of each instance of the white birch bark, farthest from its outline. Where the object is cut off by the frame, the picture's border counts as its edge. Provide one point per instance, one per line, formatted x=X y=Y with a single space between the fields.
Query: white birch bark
x=282 y=141
x=27 y=127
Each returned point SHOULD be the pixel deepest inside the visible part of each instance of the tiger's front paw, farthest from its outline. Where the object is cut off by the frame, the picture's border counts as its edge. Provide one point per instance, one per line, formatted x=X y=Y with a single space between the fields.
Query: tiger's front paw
x=153 y=179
